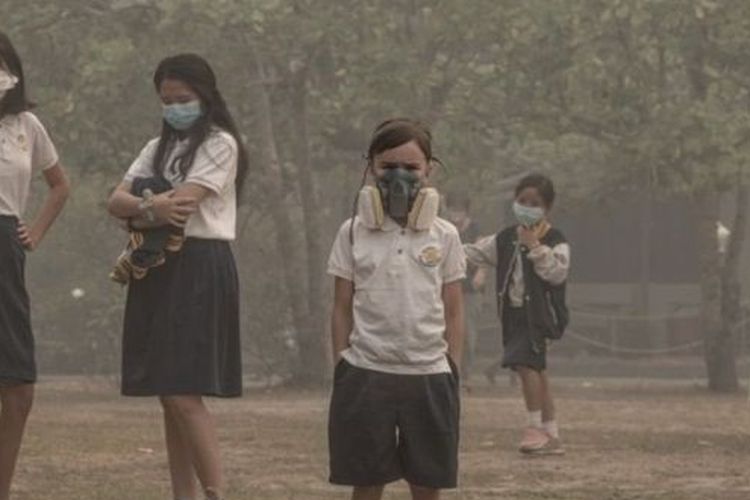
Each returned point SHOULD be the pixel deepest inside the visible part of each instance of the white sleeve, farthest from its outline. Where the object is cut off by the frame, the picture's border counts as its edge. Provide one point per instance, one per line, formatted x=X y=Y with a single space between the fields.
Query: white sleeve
x=552 y=264
x=143 y=164
x=341 y=261
x=454 y=261
x=215 y=164
x=483 y=253
x=43 y=152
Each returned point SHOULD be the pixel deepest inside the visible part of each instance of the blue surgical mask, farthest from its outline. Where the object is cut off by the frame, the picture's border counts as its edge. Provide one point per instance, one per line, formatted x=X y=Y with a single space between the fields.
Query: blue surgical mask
x=182 y=116
x=528 y=216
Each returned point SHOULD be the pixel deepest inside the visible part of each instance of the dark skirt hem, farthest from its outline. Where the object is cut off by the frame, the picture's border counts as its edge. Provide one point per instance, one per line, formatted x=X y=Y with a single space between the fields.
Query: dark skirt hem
x=342 y=481
x=14 y=380
x=207 y=394
x=515 y=366
x=16 y=337
x=181 y=331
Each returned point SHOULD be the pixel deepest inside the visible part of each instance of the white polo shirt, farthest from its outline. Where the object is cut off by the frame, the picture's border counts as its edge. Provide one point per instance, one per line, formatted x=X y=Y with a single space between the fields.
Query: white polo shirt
x=25 y=149
x=215 y=168
x=398 y=275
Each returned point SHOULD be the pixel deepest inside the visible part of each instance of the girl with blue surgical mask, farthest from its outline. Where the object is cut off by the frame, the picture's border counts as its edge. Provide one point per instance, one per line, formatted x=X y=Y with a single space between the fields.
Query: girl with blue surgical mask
x=532 y=261
x=181 y=337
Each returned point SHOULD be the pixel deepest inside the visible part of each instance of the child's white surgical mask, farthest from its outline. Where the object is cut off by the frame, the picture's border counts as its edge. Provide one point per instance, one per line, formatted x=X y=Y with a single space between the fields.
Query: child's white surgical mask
x=182 y=116
x=7 y=82
x=528 y=216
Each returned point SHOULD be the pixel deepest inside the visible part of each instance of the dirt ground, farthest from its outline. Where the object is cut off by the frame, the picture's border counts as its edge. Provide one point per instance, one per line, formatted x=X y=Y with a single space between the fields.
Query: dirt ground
x=626 y=440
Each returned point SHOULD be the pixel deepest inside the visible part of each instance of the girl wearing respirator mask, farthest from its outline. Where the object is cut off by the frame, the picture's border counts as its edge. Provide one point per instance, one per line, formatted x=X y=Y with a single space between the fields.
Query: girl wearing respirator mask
x=397 y=326
x=25 y=151
x=532 y=262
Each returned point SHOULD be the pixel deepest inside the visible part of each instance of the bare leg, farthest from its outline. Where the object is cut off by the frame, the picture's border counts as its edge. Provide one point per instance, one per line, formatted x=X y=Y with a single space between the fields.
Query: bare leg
x=198 y=432
x=535 y=438
x=491 y=371
x=470 y=342
x=548 y=405
x=368 y=493
x=532 y=388
x=16 y=405
x=512 y=379
x=421 y=493
x=180 y=463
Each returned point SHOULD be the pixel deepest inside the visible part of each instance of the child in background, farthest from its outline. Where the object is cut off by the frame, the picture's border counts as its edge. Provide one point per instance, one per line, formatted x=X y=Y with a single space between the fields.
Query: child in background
x=532 y=262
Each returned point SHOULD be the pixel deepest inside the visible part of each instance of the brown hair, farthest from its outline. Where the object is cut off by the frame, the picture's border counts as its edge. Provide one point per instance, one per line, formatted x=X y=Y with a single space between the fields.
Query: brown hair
x=397 y=132
x=542 y=184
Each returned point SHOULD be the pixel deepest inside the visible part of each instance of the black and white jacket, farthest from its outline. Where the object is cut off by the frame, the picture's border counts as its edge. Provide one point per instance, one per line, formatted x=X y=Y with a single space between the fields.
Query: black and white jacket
x=531 y=279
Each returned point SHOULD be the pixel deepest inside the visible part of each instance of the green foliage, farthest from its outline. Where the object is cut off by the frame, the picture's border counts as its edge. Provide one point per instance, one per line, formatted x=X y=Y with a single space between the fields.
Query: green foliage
x=604 y=95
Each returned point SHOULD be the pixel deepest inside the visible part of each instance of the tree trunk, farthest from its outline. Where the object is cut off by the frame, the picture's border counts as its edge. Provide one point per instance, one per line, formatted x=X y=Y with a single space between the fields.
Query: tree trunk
x=719 y=347
x=731 y=289
x=284 y=226
x=312 y=352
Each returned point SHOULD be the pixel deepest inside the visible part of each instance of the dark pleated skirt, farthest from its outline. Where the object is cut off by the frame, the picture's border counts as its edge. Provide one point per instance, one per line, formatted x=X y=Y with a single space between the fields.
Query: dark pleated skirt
x=182 y=333
x=17 y=364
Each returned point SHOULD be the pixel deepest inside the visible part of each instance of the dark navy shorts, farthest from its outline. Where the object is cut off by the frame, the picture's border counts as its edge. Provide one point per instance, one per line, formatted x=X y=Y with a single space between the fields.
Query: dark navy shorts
x=384 y=427
x=518 y=348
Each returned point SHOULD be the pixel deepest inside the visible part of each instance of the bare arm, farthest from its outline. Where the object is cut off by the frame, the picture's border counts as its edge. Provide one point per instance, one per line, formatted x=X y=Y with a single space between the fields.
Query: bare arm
x=480 y=278
x=480 y=274
x=191 y=191
x=173 y=207
x=342 y=320
x=122 y=204
x=193 y=194
x=483 y=252
x=59 y=190
x=453 y=301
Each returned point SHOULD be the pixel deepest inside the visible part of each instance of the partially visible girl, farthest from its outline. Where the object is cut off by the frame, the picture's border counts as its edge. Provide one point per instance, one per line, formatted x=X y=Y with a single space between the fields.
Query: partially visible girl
x=532 y=262
x=25 y=151
x=181 y=335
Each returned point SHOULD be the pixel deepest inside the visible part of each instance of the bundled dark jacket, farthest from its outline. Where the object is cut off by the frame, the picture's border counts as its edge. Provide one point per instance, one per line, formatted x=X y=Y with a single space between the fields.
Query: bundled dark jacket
x=544 y=302
x=146 y=247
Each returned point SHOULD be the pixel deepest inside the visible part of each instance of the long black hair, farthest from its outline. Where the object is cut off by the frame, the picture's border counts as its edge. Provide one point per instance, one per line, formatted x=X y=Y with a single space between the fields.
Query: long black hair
x=15 y=100
x=196 y=73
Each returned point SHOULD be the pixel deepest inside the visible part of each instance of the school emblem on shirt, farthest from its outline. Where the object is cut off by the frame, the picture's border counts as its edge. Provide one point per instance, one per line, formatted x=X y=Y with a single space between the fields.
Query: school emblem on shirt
x=22 y=142
x=430 y=256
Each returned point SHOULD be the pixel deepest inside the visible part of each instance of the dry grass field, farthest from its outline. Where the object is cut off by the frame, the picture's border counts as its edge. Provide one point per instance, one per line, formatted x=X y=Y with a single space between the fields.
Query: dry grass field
x=626 y=440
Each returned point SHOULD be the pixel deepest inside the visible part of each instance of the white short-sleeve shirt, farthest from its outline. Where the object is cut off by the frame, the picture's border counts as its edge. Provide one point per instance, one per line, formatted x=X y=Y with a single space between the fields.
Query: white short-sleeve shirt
x=25 y=149
x=398 y=275
x=215 y=168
